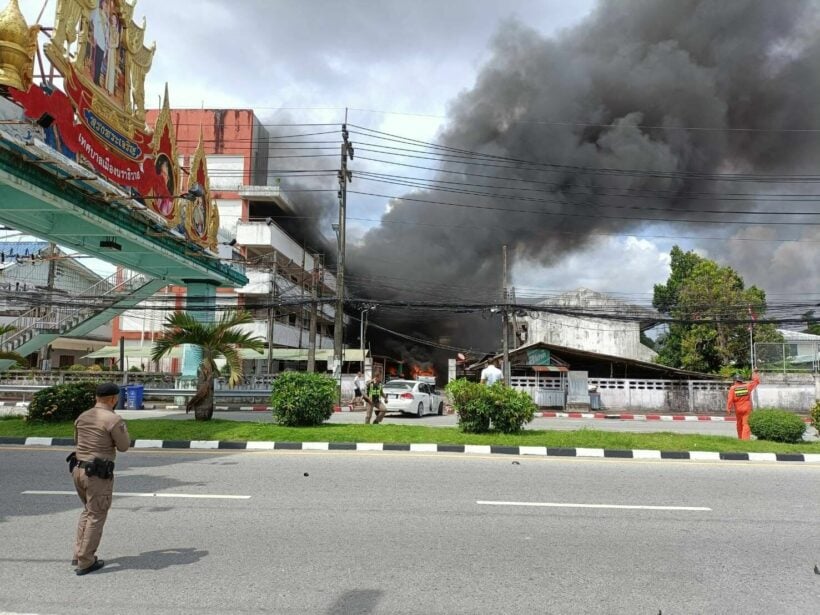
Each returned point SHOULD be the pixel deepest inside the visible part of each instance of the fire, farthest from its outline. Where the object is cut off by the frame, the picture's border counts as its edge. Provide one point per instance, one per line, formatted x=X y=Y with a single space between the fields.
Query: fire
x=417 y=370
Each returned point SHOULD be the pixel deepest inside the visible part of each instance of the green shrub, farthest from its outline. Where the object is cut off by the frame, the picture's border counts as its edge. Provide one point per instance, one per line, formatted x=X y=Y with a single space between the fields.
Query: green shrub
x=471 y=404
x=302 y=399
x=815 y=415
x=134 y=368
x=77 y=367
x=777 y=425
x=481 y=408
x=512 y=409
x=95 y=368
x=64 y=402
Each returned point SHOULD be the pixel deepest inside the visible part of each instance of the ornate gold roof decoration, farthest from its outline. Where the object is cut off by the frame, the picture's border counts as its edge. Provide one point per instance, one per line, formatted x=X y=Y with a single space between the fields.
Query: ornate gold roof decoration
x=18 y=44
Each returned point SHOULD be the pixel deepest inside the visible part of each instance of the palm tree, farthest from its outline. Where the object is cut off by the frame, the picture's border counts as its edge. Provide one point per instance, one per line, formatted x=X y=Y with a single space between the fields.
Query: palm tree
x=10 y=356
x=214 y=339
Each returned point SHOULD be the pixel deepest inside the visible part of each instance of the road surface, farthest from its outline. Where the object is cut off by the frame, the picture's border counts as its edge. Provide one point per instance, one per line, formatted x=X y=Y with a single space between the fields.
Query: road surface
x=311 y=532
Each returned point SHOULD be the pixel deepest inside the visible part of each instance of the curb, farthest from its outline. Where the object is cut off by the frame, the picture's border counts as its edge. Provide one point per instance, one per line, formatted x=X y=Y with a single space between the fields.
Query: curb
x=480 y=449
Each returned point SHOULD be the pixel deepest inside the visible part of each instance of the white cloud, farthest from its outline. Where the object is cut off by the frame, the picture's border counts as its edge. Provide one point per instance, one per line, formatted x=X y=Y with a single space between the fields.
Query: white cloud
x=622 y=265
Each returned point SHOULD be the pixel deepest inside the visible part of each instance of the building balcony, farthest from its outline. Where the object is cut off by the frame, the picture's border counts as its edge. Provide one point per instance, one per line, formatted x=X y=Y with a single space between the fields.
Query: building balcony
x=261 y=236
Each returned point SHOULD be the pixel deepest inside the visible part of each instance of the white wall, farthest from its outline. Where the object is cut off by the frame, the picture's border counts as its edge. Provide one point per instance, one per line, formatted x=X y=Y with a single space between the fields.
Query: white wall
x=230 y=211
x=225 y=172
x=616 y=338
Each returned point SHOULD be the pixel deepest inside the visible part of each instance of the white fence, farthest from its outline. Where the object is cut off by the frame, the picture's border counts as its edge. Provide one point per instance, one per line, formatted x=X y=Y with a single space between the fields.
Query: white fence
x=695 y=396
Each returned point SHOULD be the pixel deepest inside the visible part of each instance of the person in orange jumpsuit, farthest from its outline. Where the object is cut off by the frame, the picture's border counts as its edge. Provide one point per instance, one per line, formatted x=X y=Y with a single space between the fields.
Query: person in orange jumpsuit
x=740 y=400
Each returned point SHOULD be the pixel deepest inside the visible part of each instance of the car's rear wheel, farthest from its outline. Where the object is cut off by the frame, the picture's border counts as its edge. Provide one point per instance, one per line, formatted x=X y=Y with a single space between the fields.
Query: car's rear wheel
x=440 y=408
x=420 y=410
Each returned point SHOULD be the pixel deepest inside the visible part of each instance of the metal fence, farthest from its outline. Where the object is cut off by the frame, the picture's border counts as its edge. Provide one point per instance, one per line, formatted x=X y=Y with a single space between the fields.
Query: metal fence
x=788 y=357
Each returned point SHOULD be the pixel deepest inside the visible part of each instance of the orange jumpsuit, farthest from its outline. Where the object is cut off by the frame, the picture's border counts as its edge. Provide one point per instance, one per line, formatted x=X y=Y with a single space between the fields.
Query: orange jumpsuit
x=740 y=399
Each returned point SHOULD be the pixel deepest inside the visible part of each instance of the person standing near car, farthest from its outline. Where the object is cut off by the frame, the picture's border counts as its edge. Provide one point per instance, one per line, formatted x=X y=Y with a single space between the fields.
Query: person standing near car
x=98 y=434
x=740 y=400
x=357 y=388
x=375 y=393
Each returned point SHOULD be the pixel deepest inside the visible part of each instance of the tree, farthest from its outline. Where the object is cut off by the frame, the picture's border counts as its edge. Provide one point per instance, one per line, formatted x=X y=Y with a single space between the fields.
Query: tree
x=214 y=339
x=713 y=309
x=812 y=323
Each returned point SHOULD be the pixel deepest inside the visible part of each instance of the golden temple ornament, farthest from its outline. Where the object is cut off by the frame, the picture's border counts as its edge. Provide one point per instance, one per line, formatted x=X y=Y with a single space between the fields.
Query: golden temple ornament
x=18 y=44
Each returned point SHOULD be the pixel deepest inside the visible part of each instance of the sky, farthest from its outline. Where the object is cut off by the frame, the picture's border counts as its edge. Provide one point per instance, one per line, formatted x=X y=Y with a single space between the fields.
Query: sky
x=406 y=68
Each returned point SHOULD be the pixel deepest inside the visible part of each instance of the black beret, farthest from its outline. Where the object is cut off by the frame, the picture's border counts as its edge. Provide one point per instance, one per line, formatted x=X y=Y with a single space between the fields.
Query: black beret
x=108 y=389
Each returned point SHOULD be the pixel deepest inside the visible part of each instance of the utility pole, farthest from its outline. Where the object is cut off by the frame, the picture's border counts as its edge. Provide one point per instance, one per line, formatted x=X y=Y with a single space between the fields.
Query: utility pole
x=505 y=336
x=271 y=314
x=314 y=278
x=345 y=177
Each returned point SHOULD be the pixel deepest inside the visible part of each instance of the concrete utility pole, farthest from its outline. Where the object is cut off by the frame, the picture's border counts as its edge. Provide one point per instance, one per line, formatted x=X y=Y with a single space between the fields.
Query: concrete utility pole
x=345 y=177
x=314 y=277
x=505 y=336
x=271 y=313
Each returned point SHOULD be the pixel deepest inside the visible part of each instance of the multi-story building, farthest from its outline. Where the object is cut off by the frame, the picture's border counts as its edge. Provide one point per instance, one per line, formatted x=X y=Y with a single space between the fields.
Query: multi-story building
x=280 y=268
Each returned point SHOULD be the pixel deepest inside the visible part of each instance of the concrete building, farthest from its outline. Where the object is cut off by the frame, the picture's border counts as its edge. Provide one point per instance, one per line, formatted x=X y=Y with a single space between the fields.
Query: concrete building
x=279 y=267
x=574 y=325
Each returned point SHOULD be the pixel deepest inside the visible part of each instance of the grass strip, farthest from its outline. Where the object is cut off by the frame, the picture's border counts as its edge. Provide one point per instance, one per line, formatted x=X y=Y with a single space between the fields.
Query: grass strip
x=165 y=429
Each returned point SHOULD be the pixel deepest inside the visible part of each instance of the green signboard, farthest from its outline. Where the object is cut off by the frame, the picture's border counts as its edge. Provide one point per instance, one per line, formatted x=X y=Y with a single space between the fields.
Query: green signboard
x=538 y=356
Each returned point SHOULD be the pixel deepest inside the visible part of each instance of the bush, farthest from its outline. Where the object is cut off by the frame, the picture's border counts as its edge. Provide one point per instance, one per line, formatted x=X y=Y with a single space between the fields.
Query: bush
x=134 y=368
x=77 y=367
x=302 y=399
x=471 y=404
x=777 y=425
x=481 y=408
x=95 y=368
x=64 y=402
x=815 y=415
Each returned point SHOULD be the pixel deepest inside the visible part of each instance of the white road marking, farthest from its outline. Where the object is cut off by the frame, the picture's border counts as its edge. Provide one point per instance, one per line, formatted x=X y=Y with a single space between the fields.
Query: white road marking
x=642 y=454
x=607 y=506
x=369 y=446
x=259 y=446
x=589 y=452
x=315 y=446
x=204 y=443
x=478 y=449
x=32 y=441
x=197 y=496
x=147 y=443
x=704 y=456
x=424 y=448
x=532 y=450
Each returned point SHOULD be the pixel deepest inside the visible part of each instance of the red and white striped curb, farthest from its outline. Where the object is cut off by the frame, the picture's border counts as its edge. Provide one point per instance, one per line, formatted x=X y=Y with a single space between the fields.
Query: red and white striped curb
x=640 y=417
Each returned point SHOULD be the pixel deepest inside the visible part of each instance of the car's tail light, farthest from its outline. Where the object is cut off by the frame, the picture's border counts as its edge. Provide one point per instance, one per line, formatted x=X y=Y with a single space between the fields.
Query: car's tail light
x=407 y=396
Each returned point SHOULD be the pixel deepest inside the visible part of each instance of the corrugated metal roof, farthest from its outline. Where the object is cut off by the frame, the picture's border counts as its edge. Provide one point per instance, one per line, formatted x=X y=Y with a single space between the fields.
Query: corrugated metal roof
x=798 y=336
x=22 y=248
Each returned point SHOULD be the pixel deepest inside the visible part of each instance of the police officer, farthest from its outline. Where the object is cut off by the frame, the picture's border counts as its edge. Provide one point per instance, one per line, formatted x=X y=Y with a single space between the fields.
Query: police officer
x=98 y=434
x=375 y=392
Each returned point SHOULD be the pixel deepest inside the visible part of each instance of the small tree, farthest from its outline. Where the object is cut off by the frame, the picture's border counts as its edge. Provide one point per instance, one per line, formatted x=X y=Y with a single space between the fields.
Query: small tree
x=62 y=402
x=301 y=399
x=216 y=339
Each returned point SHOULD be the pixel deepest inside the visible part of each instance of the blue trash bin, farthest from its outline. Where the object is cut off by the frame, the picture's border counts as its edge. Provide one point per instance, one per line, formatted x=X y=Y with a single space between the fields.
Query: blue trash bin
x=134 y=394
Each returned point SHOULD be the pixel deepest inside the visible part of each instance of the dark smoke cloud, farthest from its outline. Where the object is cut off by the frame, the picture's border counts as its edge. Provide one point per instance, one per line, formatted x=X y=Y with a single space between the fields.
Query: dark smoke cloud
x=648 y=68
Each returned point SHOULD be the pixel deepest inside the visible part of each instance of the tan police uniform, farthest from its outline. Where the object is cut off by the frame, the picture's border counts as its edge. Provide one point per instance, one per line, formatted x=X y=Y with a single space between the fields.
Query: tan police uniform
x=98 y=433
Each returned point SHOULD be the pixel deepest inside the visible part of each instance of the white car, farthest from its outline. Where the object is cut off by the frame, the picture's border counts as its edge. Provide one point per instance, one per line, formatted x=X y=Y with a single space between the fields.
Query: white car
x=413 y=397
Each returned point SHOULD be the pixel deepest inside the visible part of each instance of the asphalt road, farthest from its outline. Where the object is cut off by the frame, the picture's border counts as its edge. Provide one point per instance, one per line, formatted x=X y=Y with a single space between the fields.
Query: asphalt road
x=699 y=427
x=404 y=533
